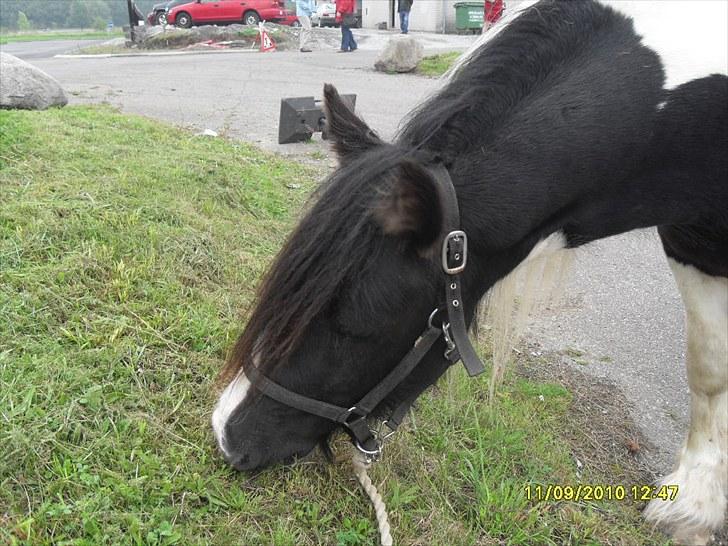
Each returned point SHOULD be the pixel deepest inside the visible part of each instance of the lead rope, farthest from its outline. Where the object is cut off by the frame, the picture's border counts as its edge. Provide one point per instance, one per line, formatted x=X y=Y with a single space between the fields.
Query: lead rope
x=360 y=470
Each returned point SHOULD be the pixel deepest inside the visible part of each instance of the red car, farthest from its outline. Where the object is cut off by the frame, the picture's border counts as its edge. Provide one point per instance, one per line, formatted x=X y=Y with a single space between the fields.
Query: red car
x=208 y=12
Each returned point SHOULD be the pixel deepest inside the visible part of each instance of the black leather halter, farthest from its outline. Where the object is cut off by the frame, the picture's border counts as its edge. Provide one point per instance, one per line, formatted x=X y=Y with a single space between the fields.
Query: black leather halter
x=454 y=257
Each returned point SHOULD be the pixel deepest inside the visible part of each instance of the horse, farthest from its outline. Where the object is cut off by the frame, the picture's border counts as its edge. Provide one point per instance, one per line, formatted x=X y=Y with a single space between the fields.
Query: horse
x=557 y=131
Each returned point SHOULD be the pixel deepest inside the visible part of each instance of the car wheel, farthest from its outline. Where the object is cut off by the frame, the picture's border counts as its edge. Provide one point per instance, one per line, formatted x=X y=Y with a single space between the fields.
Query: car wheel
x=161 y=19
x=184 y=20
x=296 y=24
x=251 y=18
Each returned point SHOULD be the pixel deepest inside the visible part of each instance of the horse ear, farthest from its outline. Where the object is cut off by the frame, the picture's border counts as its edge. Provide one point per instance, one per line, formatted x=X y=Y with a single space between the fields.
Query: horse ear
x=412 y=207
x=349 y=134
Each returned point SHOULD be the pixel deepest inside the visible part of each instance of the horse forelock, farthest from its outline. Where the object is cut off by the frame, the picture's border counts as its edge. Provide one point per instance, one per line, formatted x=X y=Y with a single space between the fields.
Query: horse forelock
x=331 y=245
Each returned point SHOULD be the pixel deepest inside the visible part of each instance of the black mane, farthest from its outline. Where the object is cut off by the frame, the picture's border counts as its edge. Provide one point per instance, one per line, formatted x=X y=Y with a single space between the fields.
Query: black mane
x=506 y=70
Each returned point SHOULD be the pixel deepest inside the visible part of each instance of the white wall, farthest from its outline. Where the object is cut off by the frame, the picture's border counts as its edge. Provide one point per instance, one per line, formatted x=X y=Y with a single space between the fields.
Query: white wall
x=426 y=15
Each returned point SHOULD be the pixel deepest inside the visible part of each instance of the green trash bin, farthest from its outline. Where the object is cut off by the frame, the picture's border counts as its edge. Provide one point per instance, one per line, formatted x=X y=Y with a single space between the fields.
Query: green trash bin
x=469 y=16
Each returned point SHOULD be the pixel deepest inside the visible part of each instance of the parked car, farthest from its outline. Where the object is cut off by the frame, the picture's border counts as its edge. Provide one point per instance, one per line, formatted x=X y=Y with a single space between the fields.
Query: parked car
x=290 y=19
x=209 y=12
x=325 y=15
x=158 y=15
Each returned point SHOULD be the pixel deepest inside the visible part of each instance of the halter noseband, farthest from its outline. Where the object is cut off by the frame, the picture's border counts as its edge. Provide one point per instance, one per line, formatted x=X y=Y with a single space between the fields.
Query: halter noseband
x=454 y=258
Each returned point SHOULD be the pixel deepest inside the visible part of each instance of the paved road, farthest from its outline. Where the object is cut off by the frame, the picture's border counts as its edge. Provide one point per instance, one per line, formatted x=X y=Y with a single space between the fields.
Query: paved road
x=30 y=51
x=622 y=310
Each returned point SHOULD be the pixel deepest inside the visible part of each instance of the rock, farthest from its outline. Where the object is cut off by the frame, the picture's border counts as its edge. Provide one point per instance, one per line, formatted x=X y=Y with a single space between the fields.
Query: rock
x=22 y=85
x=401 y=54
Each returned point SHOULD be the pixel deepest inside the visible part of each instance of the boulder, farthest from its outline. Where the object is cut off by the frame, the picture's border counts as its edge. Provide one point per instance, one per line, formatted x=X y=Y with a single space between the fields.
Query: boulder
x=401 y=54
x=22 y=85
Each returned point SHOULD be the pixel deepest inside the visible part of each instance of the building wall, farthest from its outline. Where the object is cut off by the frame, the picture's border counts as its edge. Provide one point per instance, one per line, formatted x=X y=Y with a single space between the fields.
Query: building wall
x=426 y=15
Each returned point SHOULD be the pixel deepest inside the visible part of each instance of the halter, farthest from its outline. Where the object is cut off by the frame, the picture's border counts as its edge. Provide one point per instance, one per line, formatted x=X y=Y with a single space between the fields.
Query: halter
x=454 y=258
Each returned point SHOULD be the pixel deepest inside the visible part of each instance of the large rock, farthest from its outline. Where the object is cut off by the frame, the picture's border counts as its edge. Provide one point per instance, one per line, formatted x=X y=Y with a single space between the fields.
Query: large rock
x=401 y=54
x=22 y=85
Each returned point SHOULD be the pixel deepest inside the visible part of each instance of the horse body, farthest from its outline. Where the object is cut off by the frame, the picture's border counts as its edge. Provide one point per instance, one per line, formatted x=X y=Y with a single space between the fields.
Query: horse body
x=556 y=132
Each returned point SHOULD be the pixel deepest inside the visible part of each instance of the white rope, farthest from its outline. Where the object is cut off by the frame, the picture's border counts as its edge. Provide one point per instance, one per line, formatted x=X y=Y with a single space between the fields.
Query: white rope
x=360 y=469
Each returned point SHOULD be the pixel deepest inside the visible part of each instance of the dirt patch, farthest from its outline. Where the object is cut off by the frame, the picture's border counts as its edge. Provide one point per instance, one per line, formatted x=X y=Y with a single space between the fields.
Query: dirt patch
x=604 y=439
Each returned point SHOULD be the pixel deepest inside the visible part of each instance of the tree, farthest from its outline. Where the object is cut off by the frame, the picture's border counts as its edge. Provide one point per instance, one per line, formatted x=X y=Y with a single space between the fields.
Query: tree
x=23 y=23
x=99 y=23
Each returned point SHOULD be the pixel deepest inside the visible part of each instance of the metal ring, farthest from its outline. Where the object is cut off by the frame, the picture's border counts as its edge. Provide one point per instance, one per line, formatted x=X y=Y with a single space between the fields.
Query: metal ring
x=368 y=452
x=432 y=316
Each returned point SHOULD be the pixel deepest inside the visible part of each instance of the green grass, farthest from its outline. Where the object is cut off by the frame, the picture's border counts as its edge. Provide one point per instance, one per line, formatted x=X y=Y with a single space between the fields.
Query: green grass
x=437 y=65
x=59 y=35
x=128 y=253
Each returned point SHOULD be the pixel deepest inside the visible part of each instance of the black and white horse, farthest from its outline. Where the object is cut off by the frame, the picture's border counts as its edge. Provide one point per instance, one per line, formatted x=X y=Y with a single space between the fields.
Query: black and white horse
x=558 y=131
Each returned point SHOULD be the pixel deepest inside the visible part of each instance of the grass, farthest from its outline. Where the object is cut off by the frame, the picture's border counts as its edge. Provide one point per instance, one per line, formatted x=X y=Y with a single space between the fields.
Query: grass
x=124 y=274
x=38 y=36
x=437 y=65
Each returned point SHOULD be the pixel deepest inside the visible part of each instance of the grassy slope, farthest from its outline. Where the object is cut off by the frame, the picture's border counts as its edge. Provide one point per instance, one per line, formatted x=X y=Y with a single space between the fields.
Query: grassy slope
x=124 y=272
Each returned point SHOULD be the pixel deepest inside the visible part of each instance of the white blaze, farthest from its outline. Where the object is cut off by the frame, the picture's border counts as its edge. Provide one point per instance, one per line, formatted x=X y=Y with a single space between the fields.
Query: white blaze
x=231 y=398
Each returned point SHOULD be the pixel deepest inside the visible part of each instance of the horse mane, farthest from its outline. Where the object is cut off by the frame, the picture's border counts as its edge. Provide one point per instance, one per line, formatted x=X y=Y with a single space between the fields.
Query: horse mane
x=332 y=244
x=494 y=78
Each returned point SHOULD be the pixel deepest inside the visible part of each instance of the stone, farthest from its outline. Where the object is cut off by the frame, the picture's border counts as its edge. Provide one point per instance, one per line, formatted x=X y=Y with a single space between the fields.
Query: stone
x=401 y=54
x=22 y=85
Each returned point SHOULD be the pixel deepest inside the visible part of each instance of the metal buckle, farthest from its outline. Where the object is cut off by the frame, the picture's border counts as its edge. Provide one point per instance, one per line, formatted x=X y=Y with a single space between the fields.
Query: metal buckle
x=454 y=252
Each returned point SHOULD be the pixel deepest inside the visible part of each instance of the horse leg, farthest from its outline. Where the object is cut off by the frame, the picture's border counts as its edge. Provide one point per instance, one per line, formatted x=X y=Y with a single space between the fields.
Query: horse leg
x=702 y=469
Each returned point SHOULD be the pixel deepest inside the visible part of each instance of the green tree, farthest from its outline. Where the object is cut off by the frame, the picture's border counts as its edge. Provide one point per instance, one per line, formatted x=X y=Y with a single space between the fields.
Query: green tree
x=99 y=23
x=23 y=23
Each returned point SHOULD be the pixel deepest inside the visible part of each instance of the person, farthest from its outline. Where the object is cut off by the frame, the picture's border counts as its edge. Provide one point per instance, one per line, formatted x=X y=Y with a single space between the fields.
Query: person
x=493 y=11
x=404 y=7
x=346 y=17
x=304 y=9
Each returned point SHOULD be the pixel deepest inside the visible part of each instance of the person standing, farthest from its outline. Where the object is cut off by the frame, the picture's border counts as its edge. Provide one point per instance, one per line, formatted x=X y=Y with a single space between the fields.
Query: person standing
x=345 y=16
x=493 y=11
x=404 y=7
x=304 y=9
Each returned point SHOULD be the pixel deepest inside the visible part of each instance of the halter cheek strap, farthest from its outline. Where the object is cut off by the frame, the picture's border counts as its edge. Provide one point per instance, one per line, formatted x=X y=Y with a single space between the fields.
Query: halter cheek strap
x=454 y=258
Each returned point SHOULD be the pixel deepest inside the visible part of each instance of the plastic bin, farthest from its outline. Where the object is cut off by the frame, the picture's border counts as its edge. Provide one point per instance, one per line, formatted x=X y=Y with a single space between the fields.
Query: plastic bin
x=469 y=16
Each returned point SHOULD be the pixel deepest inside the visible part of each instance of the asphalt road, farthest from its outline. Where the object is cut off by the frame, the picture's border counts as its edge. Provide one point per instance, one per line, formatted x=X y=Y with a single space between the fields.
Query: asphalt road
x=621 y=317
x=30 y=51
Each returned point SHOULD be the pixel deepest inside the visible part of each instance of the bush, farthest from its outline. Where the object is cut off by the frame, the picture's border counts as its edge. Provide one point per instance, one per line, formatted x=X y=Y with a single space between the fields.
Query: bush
x=99 y=23
x=23 y=23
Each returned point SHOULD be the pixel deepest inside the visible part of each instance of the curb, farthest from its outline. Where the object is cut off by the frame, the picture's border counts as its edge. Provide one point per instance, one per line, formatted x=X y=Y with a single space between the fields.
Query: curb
x=152 y=54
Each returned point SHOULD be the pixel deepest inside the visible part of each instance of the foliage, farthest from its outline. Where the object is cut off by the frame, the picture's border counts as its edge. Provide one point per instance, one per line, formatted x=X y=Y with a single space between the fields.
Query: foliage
x=99 y=23
x=128 y=251
x=23 y=23
x=67 y=13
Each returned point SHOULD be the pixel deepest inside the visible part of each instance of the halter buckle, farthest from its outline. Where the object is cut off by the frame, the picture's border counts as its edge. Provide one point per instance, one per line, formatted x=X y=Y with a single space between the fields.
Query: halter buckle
x=454 y=252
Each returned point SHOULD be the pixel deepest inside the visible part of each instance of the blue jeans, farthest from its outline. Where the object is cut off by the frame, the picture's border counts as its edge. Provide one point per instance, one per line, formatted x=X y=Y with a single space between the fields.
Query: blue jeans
x=347 y=38
x=404 y=21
